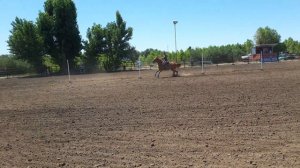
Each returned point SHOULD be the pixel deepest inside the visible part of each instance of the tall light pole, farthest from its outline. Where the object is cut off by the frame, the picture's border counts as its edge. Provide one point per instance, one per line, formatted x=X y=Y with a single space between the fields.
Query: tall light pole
x=175 y=22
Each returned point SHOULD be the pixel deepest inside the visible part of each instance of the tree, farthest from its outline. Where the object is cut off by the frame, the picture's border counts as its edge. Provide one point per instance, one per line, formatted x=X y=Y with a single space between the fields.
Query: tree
x=12 y=66
x=146 y=52
x=280 y=47
x=196 y=54
x=117 y=45
x=26 y=43
x=58 y=25
x=266 y=36
x=45 y=24
x=181 y=56
x=248 y=45
x=148 y=55
x=292 y=46
x=216 y=54
x=132 y=55
x=188 y=54
x=94 y=46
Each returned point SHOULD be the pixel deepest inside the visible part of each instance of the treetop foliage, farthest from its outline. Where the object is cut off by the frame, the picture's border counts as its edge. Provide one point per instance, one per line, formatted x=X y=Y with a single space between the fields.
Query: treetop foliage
x=110 y=44
x=25 y=42
x=266 y=36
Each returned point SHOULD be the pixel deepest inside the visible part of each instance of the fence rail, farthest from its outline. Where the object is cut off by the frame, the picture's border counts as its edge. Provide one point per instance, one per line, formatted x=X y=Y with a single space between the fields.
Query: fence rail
x=7 y=72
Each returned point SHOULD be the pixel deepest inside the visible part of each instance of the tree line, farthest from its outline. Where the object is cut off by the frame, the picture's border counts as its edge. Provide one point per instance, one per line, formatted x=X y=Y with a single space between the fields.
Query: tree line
x=54 y=38
x=228 y=53
x=55 y=35
x=9 y=65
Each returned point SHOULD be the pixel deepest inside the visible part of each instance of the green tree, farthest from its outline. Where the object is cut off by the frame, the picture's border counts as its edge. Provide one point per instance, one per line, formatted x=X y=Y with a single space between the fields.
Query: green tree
x=117 y=38
x=182 y=57
x=238 y=50
x=196 y=55
x=13 y=66
x=281 y=47
x=132 y=55
x=58 y=25
x=248 y=45
x=26 y=43
x=217 y=54
x=148 y=55
x=266 y=36
x=188 y=53
x=94 y=46
x=45 y=25
x=292 y=46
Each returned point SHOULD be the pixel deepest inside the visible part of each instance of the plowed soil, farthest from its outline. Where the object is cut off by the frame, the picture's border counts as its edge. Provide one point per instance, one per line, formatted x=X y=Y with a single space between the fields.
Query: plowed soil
x=231 y=116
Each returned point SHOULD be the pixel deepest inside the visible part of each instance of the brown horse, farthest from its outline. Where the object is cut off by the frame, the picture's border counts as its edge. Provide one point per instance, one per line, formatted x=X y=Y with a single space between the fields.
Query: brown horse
x=171 y=66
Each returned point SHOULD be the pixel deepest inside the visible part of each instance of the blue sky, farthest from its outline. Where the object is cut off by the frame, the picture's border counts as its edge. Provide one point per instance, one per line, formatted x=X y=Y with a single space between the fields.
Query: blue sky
x=201 y=23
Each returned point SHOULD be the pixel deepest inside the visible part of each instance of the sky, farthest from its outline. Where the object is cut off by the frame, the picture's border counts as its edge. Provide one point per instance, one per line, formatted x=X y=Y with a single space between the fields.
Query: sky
x=201 y=23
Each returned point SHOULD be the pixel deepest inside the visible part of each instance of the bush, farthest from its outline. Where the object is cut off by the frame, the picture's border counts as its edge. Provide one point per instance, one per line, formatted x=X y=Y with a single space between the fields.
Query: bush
x=49 y=63
x=13 y=66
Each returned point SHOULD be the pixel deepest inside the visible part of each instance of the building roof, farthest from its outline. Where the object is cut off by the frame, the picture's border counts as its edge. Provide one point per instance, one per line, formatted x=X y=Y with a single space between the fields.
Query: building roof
x=266 y=45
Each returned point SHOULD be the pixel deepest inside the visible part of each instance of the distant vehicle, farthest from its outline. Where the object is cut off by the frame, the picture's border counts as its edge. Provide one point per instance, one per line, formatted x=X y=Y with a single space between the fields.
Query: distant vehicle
x=290 y=57
x=246 y=58
x=286 y=57
x=282 y=57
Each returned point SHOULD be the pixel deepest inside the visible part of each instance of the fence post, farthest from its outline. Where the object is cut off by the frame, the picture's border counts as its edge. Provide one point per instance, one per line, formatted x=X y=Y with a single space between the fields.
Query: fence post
x=261 y=60
x=6 y=71
x=202 y=68
x=68 y=70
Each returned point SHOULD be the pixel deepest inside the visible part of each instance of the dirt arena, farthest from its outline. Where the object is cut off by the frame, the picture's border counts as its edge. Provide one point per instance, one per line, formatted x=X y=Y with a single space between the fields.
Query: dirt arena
x=231 y=116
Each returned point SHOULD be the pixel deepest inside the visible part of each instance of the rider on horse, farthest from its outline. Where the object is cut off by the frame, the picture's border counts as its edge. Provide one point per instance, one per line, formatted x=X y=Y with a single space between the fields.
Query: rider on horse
x=165 y=59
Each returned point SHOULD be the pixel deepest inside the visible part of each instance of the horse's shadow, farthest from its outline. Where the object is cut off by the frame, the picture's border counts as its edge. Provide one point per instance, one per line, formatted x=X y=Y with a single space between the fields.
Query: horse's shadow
x=167 y=77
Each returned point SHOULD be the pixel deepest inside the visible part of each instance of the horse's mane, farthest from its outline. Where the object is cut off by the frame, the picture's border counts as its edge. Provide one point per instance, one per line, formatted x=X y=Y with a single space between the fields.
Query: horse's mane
x=157 y=58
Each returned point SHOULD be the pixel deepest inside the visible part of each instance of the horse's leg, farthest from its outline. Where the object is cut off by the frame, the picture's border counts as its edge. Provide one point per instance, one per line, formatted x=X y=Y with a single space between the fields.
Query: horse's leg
x=158 y=74
x=155 y=73
x=174 y=74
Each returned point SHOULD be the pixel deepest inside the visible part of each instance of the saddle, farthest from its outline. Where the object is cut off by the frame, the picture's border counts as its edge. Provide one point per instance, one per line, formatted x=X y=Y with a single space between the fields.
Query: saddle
x=166 y=65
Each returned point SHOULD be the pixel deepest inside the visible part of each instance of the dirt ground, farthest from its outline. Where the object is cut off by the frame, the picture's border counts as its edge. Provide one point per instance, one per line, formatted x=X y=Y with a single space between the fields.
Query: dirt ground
x=231 y=116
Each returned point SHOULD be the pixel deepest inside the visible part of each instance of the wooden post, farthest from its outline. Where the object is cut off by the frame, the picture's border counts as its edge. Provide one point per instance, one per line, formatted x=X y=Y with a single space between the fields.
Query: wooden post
x=261 y=60
x=68 y=70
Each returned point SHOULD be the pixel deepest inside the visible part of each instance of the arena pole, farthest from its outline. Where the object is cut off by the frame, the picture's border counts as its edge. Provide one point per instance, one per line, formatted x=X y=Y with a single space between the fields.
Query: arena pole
x=261 y=60
x=139 y=63
x=68 y=70
x=202 y=68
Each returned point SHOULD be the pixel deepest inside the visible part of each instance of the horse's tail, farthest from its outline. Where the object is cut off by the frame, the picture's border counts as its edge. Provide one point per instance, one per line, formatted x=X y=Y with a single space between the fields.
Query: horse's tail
x=178 y=65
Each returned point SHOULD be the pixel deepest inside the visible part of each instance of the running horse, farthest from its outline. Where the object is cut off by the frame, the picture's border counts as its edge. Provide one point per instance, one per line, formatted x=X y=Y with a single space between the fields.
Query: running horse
x=170 y=66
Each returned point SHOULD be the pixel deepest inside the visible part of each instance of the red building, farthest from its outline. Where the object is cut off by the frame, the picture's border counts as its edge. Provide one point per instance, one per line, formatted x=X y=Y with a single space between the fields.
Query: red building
x=267 y=51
